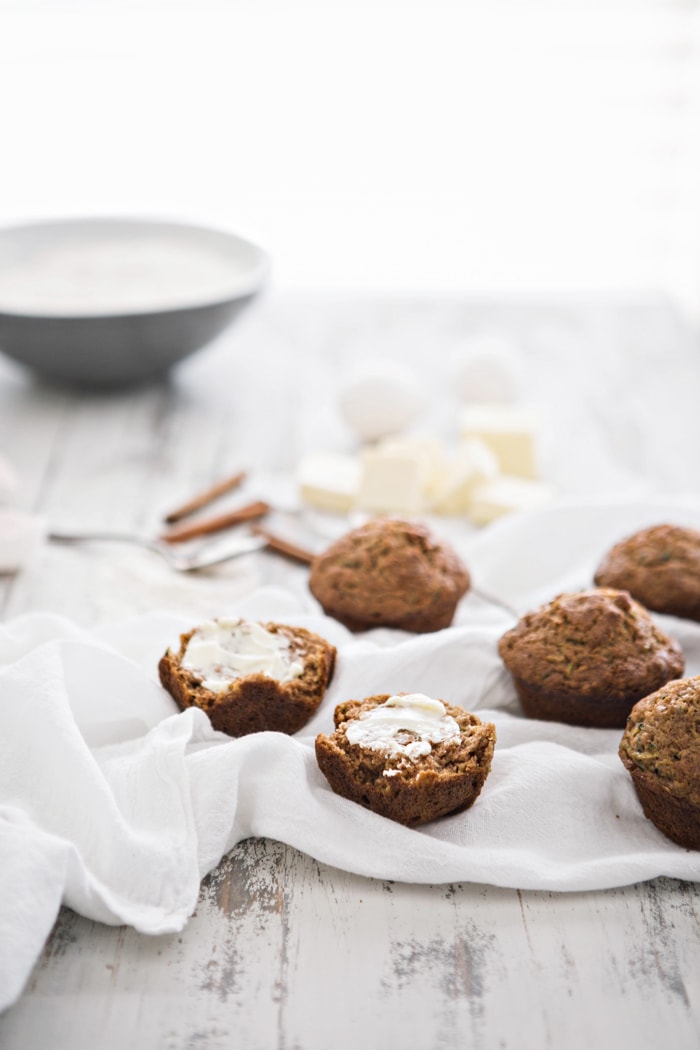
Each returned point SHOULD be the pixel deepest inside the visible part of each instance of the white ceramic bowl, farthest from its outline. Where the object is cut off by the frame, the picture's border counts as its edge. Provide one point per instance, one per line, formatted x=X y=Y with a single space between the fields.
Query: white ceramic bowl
x=111 y=302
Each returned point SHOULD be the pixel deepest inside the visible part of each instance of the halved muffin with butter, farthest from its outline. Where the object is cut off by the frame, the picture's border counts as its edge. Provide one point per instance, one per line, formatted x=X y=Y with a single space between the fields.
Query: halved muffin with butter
x=249 y=677
x=408 y=757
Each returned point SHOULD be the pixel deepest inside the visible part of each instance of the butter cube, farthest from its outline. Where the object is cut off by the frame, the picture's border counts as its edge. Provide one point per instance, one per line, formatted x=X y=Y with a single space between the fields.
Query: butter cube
x=391 y=481
x=511 y=431
x=504 y=495
x=472 y=465
x=329 y=481
x=427 y=451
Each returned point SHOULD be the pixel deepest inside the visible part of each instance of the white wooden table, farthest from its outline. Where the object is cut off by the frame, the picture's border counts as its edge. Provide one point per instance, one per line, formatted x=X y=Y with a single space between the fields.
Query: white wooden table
x=282 y=951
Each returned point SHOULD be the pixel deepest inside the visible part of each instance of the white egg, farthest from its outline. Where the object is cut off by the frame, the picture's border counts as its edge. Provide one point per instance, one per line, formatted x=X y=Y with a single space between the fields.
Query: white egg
x=9 y=482
x=488 y=369
x=21 y=535
x=380 y=398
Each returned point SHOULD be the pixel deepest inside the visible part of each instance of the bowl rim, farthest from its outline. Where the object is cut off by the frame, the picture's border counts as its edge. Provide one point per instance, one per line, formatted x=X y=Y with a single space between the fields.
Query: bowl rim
x=244 y=286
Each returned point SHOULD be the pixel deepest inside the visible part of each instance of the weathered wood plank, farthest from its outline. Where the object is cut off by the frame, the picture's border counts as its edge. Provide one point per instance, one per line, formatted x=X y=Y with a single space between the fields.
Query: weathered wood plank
x=283 y=951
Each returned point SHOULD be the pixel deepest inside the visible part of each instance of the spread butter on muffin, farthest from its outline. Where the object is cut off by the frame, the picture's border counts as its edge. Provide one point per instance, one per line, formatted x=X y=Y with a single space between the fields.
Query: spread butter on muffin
x=586 y=658
x=249 y=677
x=390 y=573
x=660 y=567
x=407 y=757
x=660 y=748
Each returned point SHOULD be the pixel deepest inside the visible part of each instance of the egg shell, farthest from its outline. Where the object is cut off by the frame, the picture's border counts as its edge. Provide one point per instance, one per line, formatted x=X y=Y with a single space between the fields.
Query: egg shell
x=9 y=482
x=21 y=535
x=380 y=399
x=489 y=369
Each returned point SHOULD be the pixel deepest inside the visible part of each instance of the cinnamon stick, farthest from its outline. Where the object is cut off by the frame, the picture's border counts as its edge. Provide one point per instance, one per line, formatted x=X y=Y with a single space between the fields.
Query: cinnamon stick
x=223 y=521
x=205 y=498
x=276 y=543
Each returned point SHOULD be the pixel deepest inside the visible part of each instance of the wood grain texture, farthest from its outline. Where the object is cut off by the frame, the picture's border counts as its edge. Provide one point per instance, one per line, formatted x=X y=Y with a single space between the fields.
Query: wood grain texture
x=283 y=951
x=281 y=948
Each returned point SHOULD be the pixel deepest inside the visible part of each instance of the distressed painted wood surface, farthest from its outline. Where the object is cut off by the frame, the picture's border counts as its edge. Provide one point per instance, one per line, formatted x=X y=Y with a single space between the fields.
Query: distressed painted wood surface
x=283 y=951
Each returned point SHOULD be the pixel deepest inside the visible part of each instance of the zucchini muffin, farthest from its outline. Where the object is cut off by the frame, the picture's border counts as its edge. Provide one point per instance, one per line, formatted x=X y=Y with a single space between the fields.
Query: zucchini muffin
x=407 y=757
x=660 y=567
x=249 y=677
x=660 y=748
x=390 y=573
x=587 y=658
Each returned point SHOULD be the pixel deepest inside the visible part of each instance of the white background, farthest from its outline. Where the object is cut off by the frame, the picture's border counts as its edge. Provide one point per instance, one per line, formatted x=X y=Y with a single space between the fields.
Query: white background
x=506 y=147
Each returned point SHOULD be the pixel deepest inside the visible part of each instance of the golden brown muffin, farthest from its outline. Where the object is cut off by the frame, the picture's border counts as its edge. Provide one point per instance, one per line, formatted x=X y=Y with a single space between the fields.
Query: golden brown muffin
x=407 y=757
x=390 y=573
x=661 y=750
x=250 y=677
x=660 y=567
x=587 y=658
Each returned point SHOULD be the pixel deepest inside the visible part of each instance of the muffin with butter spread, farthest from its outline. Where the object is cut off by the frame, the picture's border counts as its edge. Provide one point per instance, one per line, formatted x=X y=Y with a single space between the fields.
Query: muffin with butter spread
x=249 y=677
x=660 y=749
x=407 y=757
x=586 y=658
x=660 y=567
x=390 y=573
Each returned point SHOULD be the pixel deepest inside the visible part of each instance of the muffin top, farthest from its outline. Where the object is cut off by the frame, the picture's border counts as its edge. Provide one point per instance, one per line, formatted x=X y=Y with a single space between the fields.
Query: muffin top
x=219 y=652
x=406 y=729
x=597 y=641
x=390 y=572
x=659 y=566
x=662 y=738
